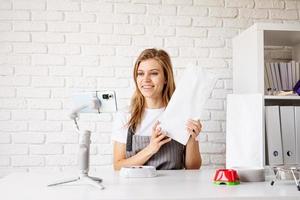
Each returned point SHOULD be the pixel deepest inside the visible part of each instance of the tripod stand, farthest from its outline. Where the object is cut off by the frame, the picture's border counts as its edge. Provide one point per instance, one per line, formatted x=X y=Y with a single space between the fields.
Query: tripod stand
x=89 y=102
x=83 y=162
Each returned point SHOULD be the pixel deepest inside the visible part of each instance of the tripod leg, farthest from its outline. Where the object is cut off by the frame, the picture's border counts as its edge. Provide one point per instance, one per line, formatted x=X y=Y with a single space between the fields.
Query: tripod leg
x=94 y=183
x=295 y=179
x=276 y=174
x=96 y=179
x=64 y=181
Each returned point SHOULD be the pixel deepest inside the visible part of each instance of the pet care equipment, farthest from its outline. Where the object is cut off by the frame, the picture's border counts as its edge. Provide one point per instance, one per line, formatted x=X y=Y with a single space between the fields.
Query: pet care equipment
x=283 y=172
x=138 y=172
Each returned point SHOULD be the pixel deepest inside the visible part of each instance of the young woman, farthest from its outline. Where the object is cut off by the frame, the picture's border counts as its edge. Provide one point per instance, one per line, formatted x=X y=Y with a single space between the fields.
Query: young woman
x=138 y=139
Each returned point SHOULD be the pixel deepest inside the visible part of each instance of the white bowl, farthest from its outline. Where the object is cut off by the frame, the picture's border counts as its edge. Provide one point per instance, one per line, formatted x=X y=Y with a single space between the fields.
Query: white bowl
x=138 y=172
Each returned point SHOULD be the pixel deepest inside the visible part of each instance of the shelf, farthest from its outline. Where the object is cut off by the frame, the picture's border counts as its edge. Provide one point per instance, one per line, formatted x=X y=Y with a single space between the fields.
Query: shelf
x=278 y=34
x=282 y=100
x=281 y=38
x=282 y=97
x=248 y=53
x=248 y=63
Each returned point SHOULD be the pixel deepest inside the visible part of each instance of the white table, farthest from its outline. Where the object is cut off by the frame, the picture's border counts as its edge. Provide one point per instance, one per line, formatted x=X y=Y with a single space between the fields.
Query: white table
x=182 y=184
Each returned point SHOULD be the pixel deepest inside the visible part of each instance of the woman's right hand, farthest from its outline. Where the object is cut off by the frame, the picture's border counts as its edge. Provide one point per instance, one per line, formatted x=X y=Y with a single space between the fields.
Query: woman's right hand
x=158 y=139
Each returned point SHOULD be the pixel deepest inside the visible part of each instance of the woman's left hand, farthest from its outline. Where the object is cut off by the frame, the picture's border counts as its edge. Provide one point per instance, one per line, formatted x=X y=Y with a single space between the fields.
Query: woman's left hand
x=194 y=128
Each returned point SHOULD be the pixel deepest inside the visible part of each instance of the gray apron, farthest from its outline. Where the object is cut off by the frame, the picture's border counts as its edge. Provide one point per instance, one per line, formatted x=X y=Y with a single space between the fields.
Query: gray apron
x=170 y=156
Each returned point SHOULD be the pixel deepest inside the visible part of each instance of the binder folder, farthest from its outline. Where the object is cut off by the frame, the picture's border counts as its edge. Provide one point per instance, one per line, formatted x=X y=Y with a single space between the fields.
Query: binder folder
x=284 y=76
x=273 y=71
x=273 y=135
x=269 y=73
x=297 y=132
x=288 y=134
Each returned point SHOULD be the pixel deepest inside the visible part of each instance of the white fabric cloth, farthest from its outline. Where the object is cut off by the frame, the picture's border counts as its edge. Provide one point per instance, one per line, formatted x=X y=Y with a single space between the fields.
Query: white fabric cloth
x=187 y=102
x=119 y=131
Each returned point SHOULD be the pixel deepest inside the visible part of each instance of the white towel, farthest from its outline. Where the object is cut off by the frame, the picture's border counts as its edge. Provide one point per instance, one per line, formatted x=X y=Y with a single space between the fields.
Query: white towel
x=187 y=102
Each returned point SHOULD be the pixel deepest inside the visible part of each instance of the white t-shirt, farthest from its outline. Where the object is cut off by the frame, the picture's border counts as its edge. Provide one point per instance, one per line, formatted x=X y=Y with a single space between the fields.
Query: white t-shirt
x=120 y=128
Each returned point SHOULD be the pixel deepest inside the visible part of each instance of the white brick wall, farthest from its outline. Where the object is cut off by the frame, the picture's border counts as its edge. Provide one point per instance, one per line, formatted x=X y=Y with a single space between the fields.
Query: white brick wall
x=49 y=48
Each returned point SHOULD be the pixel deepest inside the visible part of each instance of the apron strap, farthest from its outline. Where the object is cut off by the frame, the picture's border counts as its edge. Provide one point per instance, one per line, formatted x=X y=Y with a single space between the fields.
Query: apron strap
x=129 y=139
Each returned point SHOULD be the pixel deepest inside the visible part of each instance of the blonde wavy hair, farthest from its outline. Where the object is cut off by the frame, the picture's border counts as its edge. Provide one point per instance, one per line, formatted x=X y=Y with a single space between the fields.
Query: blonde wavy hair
x=137 y=106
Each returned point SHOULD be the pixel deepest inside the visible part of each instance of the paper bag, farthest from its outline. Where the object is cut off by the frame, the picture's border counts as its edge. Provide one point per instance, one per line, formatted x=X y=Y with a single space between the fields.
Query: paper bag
x=187 y=102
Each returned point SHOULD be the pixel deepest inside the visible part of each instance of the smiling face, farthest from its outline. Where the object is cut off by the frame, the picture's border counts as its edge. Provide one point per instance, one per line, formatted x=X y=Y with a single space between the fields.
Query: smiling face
x=150 y=79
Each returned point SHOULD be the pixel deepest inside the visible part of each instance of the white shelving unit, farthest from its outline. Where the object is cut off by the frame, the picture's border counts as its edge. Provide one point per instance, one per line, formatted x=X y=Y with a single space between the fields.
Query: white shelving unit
x=245 y=134
x=248 y=53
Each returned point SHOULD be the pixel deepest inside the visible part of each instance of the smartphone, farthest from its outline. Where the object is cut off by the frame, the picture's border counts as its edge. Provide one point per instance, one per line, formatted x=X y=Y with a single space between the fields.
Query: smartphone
x=108 y=101
x=101 y=101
